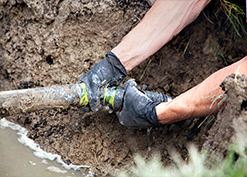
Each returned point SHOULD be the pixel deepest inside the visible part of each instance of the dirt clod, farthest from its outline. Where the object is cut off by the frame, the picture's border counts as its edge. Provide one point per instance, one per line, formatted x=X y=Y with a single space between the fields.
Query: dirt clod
x=231 y=120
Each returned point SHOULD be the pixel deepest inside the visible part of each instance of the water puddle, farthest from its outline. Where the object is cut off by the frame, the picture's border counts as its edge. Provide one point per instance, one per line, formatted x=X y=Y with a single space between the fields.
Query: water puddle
x=21 y=157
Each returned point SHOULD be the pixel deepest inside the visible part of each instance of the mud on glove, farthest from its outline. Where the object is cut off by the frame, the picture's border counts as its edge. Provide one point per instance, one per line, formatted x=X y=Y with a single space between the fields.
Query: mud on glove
x=138 y=110
x=108 y=71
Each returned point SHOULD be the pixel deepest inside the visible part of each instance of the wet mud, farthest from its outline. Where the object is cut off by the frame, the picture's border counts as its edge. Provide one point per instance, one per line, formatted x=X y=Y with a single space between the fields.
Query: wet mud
x=45 y=43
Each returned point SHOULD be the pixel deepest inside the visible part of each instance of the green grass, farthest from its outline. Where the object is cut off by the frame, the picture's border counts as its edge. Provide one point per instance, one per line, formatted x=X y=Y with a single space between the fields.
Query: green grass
x=233 y=165
x=234 y=14
x=235 y=21
x=222 y=97
x=145 y=70
x=226 y=61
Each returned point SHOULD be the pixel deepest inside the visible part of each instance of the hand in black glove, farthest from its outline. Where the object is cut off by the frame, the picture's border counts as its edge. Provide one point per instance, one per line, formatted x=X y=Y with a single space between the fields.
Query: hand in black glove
x=138 y=110
x=108 y=71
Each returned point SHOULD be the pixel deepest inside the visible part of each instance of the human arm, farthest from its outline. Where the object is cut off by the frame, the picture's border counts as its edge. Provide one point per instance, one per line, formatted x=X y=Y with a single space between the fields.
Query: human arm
x=202 y=99
x=161 y=23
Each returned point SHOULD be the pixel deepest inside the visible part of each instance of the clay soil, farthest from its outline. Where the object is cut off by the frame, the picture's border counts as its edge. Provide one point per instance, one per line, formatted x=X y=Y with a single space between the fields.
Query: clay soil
x=44 y=43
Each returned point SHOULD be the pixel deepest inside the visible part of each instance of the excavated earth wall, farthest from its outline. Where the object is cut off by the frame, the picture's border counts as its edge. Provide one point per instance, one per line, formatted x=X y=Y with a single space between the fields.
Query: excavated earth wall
x=44 y=43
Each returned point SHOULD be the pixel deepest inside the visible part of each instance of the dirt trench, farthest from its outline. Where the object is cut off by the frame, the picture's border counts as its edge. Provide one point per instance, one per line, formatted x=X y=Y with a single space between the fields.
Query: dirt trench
x=44 y=43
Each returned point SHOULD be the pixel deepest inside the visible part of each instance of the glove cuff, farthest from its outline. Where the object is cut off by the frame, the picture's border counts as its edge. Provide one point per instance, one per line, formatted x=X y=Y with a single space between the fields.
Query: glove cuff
x=119 y=70
x=152 y=116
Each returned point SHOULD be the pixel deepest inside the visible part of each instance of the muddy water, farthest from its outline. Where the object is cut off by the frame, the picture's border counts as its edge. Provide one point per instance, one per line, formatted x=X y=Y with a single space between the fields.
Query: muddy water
x=20 y=156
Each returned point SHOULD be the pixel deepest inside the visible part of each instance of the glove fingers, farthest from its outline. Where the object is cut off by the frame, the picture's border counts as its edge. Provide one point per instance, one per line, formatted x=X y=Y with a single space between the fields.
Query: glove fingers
x=95 y=106
x=94 y=99
x=144 y=87
x=93 y=91
x=130 y=83
x=138 y=109
x=132 y=91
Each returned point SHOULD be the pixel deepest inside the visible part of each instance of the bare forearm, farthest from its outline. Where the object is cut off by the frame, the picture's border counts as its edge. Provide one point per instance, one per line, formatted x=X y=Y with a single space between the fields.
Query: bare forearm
x=163 y=21
x=202 y=99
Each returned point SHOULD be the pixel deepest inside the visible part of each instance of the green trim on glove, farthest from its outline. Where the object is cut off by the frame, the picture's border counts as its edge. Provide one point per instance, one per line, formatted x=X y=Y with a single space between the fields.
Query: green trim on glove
x=109 y=96
x=108 y=71
x=84 y=98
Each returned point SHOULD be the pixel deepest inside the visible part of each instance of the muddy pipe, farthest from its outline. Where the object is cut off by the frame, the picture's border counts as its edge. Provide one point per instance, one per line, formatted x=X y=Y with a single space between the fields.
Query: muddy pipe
x=30 y=100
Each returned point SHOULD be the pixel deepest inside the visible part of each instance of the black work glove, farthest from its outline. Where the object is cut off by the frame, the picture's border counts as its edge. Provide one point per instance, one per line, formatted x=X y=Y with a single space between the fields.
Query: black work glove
x=108 y=71
x=138 y=110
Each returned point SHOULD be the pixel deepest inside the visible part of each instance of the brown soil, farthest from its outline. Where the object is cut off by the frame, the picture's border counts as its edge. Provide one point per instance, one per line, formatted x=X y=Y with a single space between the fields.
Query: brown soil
x=231 y=123
x=44 y=43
